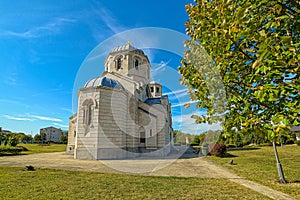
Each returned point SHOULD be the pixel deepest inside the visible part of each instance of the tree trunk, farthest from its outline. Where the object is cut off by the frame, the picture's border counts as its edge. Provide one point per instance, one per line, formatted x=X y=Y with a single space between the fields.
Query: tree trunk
x=279 y=167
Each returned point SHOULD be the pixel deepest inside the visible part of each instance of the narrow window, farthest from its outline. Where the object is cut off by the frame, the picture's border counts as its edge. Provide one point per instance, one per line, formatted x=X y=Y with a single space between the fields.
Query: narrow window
x=150 y=132
x=84 y=114
x=157 y=90
x=152 y=89
x=89 y=115
x=119 y=63
x=136 y=64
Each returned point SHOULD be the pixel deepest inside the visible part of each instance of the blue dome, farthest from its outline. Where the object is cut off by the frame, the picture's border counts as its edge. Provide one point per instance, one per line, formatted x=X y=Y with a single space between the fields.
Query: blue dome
x=105 y=82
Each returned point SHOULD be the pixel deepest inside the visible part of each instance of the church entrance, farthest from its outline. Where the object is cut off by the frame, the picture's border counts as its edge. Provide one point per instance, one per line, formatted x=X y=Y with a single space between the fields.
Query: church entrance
x=142 y=137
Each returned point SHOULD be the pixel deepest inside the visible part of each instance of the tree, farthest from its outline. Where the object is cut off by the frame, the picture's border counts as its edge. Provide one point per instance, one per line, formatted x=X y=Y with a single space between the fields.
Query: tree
x=12 y=139
x=37 y=138
x=43 y=137
x=63 y=139
x=254 y=47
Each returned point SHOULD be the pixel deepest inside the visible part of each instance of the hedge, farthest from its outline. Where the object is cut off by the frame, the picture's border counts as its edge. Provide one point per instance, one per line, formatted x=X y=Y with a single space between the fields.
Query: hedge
x=10 y=150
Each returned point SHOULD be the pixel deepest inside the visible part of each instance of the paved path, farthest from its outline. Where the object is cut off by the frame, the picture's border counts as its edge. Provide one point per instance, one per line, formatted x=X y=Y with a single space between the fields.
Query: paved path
x=189 y=167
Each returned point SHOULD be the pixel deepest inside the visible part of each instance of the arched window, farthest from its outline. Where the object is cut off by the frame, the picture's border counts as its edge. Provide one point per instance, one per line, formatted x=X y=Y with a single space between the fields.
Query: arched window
x=136 y=64
x=119 y=63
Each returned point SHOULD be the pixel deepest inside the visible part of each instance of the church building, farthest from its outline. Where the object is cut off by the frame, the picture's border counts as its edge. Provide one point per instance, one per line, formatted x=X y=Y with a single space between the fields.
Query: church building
x=121 y=113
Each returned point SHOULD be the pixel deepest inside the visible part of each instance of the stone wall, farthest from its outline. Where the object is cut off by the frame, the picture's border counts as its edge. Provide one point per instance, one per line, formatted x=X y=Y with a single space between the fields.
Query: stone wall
x=87 y=135
x=71 y=134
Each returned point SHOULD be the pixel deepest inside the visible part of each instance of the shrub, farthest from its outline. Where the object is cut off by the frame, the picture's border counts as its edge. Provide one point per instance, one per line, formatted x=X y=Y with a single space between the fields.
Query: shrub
x=217 y=149
x=23 y=148
x=266 y=144
x=10 y=150
x=239 y=144
x=290 y=142
x=297 y=142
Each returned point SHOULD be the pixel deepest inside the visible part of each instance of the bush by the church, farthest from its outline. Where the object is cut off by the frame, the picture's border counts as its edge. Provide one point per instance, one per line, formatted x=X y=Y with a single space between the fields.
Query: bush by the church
x=297 y=142
x=217 y=149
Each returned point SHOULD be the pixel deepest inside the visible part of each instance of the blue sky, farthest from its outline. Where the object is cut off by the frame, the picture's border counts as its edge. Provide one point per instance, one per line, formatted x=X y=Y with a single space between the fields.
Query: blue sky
x=44 y=43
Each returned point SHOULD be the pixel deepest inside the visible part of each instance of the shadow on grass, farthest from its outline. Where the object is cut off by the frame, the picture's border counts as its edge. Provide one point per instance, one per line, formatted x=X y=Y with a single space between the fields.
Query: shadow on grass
x=243 y=149
x=228 y=155
x=2 y=155
x=296 y=181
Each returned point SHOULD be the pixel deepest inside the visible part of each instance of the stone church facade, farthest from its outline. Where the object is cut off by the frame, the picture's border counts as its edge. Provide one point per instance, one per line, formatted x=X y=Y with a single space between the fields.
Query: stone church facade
x=121 y=113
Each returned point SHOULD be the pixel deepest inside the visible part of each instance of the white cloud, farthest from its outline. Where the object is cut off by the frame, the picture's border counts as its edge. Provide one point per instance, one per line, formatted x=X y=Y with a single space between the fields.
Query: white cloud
x=183 y=103
x=67 y=109
x=187 y=124
x=177 y=94
x=110 y=21
x=60 y=125
x=18 y=118
x=158 y=68
x=44 y=118
x=47 y=29
x=11 y=79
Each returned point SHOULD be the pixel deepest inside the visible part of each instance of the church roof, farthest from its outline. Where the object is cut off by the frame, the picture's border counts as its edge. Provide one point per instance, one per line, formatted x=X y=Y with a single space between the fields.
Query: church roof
x=155 y=100
x=105 y=82
x=127 y=47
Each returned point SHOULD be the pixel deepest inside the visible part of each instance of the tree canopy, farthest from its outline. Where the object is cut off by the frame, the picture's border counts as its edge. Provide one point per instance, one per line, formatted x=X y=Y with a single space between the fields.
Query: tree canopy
x=253 y=48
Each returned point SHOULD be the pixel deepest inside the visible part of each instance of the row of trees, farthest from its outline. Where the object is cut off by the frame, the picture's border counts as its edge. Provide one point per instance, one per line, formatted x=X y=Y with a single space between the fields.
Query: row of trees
x=12 y=139
x=240 y=139
x=42 y=138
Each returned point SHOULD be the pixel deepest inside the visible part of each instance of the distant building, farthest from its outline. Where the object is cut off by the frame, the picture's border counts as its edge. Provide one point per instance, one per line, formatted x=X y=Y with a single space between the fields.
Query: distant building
x=5 y=131
x=53 y=134
x=296 y=129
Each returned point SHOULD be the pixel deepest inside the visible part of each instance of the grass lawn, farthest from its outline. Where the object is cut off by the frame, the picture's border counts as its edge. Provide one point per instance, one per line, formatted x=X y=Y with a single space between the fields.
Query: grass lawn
x=17 y=183
x=259 y=165
x=36 y=148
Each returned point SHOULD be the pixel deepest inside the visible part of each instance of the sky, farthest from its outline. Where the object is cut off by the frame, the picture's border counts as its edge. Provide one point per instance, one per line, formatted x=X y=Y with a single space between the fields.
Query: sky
x=44 y=46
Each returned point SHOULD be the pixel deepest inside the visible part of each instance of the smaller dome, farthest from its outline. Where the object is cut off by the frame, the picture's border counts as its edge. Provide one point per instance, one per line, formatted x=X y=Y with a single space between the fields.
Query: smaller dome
x=127 y=47
x=104 y=82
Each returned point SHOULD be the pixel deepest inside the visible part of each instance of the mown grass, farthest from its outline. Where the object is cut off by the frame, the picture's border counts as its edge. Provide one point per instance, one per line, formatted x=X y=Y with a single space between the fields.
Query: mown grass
x=259 y=165
x=36 y=148
x=17 y=183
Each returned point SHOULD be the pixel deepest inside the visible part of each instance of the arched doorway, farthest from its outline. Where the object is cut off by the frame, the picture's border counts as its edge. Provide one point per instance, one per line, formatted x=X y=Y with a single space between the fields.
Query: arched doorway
x=142 y=138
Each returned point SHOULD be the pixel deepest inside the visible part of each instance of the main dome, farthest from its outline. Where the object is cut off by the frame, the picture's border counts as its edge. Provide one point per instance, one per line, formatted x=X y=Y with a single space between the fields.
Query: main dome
x=105 y=82
x=127 y=47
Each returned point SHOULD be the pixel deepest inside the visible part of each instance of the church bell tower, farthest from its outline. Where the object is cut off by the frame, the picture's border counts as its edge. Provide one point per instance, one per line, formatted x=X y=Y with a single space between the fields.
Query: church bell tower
x=129 y=61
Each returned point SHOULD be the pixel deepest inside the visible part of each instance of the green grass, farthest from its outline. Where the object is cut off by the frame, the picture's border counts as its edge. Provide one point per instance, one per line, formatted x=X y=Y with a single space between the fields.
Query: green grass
x=36 y=148
x=259 y=165
x=17 y=183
